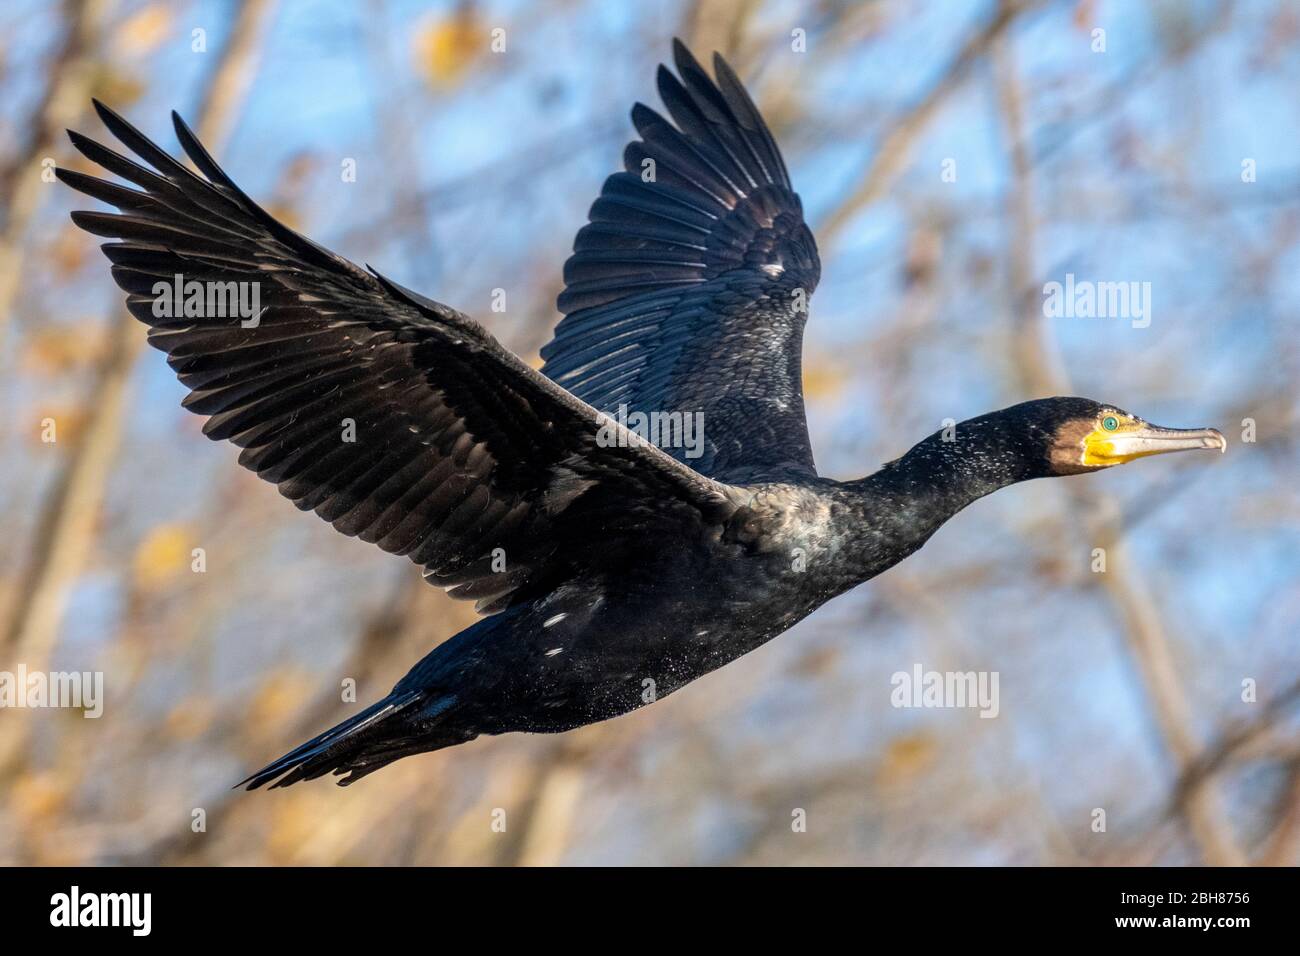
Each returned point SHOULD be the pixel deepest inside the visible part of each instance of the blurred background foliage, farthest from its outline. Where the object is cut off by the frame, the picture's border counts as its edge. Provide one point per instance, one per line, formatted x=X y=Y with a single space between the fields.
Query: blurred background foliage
x=1120 y=691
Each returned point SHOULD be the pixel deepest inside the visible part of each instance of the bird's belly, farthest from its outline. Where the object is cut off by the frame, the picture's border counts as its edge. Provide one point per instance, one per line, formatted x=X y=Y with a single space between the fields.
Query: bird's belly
x=584 y=656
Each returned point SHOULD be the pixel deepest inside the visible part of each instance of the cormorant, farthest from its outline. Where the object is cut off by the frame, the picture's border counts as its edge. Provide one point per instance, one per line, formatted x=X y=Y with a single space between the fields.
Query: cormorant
x=611 y=571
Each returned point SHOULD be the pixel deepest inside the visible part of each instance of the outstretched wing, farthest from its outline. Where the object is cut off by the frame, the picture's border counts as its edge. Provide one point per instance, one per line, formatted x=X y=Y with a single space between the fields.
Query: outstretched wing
x=687 y=291
x=397 y=419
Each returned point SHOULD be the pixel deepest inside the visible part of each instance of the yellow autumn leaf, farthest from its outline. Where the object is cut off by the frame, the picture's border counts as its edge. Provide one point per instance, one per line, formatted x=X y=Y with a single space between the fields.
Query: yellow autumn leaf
x=907 y=756
x=295 y=822
x=280 y=696
x=60 y=427
x=1085 y=16
x=163 y=554
x=68 y=251
x=446 y=48
x=36 y=797
x=190 y=718
x=57 y=349
x=111 y=85
x=144 y=30
x=822 y=381
x=286 y=214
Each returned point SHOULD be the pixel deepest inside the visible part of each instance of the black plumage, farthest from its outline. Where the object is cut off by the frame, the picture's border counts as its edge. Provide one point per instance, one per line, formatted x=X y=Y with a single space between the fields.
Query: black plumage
x=688 y=289
x=612 y=571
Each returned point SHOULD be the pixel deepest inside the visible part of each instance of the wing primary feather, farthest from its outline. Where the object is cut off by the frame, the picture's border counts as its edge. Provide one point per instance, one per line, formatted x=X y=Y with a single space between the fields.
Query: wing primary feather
x=456 y=445
x=682 y=277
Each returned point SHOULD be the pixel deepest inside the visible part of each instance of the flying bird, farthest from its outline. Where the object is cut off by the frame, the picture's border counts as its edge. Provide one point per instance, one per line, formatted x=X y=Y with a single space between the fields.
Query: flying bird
x=610 y=571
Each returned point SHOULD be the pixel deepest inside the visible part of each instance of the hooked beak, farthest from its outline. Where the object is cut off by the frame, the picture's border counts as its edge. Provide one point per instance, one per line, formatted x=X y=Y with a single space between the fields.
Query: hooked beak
x=1140 y=440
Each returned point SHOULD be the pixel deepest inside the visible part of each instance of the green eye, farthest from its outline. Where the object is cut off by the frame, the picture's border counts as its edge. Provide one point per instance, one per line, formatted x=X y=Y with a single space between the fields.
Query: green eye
x=1110 y=423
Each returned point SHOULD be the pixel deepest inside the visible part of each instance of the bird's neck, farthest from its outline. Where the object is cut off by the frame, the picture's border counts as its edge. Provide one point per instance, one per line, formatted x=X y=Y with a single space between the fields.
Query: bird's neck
x=908 y=499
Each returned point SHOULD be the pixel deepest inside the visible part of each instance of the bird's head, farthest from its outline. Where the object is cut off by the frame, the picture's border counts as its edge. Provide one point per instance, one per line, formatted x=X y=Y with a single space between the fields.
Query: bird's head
x=1081 y=436
x=912 y=496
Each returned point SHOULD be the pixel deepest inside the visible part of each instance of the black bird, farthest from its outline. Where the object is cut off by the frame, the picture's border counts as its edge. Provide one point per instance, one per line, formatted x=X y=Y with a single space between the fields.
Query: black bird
x=612 y=571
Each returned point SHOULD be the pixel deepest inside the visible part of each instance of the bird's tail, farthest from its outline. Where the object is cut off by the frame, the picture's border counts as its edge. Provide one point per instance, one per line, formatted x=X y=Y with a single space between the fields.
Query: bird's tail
x=401 y=724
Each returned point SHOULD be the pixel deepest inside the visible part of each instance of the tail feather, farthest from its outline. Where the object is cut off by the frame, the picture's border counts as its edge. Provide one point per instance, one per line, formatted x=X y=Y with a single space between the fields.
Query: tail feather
x=397 y=726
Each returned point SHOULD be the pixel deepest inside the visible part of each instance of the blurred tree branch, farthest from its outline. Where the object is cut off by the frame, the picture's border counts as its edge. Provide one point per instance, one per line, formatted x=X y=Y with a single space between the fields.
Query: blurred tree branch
x=1283 y=846
x=1133 y=596
x=1113 y=95
x=1231 y=744
x=65 y=529
x=386 y=627
x=897 y=141
x=68 y=82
